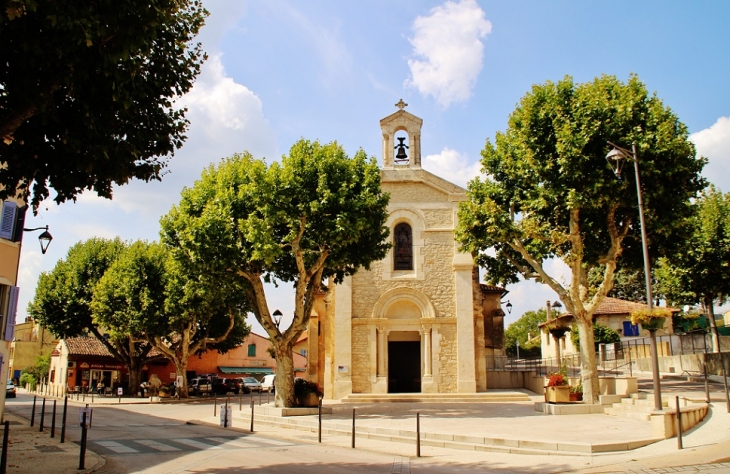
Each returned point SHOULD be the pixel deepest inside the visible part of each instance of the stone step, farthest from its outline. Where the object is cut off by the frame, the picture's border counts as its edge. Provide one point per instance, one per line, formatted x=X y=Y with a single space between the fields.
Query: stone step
x=634 y=415
x=642 y=402
x=504 y=396
x=445 y=440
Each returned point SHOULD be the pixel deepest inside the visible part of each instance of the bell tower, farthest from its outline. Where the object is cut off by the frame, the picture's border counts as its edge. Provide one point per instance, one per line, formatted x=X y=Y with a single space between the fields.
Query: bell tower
x=401 y=151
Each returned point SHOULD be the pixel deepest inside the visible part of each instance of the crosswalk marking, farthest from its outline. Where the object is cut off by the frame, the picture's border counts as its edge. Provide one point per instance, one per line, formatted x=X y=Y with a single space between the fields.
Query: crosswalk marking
x=234 y=442
x=195 y=444
x=116 y=447
x=156 y=445
x=142 y=446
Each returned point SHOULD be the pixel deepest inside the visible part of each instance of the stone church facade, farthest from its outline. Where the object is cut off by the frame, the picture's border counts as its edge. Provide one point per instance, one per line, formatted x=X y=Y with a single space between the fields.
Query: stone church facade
x=418 y=320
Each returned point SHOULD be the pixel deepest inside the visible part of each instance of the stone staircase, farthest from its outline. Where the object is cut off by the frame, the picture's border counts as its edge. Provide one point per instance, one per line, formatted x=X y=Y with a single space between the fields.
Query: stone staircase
x=494 y=396
x=638 y=407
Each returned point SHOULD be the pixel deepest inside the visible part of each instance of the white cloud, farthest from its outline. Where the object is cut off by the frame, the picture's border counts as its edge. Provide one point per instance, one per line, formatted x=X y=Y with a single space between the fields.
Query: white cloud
x=450 y=51
x=452 y=166
x=714 y=144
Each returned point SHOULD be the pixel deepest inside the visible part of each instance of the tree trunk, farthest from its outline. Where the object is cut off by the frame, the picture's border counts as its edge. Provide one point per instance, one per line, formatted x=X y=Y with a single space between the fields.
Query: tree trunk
x=135 y=375
x=284 y=373
x=181 y=367
x=710 y=308
x=588 y=371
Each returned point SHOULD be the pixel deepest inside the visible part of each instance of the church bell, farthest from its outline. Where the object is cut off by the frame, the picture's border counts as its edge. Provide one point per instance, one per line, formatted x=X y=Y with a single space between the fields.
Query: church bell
x=401 y=156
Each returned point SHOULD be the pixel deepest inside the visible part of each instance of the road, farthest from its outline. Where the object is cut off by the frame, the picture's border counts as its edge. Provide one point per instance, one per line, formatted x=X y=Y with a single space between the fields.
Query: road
x=156 y=438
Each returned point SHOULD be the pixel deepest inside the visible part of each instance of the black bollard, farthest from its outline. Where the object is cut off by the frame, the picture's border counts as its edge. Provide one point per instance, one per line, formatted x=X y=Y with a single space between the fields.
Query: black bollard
x=82 y=451
x=418 y=435
x=4 y=456
x=32 y=413
x=260 y=395
x=319 y=414
x=53 y=421
x=63 y=420
x=43 y=414
x=240 y=400
x=679 y=424
x=251 y=415
x=353 y=427
x=215 y=402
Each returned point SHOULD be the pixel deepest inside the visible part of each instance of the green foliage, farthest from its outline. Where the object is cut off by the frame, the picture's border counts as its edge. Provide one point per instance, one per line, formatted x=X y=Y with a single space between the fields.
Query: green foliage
x=698 y=272
x=551 y=161
x=317 y=214
x=36 y=372
x=27 y=379
x=547 y=191
x=627 y=285
x=686 y=322
x=62 y=301
x=601 y=335
x=87 y=92
x=519 y=330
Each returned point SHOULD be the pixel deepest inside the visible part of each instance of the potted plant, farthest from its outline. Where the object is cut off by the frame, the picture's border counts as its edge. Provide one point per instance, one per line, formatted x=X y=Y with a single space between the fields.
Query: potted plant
x=557 y=389
x=164 y=391
x=307 y=393
x=576 y=393
x=650 y=321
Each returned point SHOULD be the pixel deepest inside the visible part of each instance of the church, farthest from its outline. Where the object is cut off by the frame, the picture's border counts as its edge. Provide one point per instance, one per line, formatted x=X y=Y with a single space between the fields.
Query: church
x=418 y=321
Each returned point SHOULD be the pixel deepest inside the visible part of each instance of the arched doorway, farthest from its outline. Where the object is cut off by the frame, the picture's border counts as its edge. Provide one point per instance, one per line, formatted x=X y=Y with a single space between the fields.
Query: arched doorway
x=404 y=362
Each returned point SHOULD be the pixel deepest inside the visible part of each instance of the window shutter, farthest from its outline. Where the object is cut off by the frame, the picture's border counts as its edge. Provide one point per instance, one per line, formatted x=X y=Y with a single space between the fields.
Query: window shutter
x=7 y=220
x=12 y=312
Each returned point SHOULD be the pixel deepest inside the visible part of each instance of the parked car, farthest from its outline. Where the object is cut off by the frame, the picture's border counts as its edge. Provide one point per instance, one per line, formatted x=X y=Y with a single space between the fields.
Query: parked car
x=251 y=384
x=267 y=384
x=10 y=391
x=223 y=386
x=199 y=386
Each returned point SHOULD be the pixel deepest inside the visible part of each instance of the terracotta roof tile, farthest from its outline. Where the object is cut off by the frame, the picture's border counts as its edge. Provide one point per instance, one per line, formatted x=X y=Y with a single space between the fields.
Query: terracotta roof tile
x=88 y=346
x=614 y=306
x=491 y=288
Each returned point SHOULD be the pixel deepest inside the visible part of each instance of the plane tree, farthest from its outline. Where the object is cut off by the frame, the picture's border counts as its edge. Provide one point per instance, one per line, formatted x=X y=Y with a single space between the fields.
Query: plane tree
x=700 y=271
x=152 y=298
x=63 y=298
x=87 y=92
x=318 y=214
x=547 y=191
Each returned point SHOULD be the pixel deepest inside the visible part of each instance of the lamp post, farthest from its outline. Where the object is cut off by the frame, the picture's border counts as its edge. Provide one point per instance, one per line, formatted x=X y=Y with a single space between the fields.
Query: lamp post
x=277 y=317
x=617 y=155
x=45 y=238
x=509 y=307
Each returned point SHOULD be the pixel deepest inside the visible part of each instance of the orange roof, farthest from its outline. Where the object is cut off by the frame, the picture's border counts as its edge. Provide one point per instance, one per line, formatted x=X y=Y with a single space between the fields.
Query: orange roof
x=610 y=306
x=492 y=289
x=88 y=346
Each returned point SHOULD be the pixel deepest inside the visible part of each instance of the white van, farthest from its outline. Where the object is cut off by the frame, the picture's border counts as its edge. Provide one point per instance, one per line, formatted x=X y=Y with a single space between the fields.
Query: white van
x=267 y=383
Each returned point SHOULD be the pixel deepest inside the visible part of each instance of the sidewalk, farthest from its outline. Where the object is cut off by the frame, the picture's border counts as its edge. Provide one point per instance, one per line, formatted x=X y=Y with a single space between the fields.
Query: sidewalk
x=554 y=443
x=31 y=451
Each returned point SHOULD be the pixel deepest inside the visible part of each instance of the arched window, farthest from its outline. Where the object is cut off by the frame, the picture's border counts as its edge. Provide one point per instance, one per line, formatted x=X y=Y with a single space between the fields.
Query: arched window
x=403 y=249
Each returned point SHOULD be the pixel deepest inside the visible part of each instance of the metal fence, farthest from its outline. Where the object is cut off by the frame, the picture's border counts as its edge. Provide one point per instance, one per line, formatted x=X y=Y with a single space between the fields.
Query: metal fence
x=615 y=360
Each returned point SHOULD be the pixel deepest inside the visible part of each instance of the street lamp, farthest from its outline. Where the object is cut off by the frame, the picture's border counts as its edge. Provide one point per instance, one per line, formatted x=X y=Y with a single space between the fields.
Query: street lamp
x=45 y=238
x=616 y=156
x=277 y=317
x=509 y=307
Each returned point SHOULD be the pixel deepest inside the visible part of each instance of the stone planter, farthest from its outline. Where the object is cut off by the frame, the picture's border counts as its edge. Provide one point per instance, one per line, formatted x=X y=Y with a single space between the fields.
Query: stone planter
x=310 y=399
x=162 y=394
x=557 y=394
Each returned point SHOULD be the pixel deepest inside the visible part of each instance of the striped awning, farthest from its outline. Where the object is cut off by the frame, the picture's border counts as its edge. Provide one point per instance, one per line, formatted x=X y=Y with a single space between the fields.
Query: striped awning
x=246 y=370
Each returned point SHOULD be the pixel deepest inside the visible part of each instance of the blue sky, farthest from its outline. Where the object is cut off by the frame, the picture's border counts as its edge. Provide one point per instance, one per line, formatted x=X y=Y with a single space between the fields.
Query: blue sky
x=330 y=70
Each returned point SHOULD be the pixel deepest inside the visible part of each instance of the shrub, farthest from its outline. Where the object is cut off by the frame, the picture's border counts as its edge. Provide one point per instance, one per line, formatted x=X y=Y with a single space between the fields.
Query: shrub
x=303 y=387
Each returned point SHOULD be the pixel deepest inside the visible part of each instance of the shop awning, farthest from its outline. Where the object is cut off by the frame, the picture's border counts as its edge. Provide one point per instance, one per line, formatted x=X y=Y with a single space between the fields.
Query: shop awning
x=246 y=370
